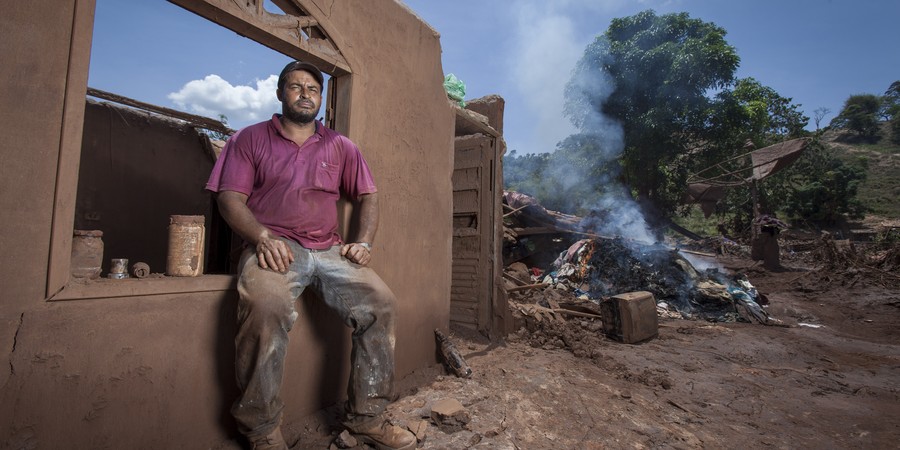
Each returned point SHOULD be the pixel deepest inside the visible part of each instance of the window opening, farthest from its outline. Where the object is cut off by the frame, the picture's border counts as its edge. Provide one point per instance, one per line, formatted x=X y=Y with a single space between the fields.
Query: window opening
x=143 y=158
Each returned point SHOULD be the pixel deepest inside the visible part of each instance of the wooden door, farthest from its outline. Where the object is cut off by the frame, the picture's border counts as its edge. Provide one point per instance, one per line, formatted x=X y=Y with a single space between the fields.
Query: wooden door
x=473 y=231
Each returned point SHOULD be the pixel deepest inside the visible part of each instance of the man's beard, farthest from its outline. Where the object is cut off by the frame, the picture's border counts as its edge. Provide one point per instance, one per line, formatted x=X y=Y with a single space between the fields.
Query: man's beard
x=298 y=117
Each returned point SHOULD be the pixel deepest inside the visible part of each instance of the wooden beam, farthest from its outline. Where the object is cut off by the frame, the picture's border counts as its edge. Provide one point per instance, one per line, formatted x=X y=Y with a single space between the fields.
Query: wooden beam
x=280 y=32
x=191 y=119
x=527 y=287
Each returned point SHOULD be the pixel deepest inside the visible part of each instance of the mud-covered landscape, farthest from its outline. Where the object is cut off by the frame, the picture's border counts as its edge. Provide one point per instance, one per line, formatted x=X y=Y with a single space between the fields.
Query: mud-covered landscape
x=828 y=378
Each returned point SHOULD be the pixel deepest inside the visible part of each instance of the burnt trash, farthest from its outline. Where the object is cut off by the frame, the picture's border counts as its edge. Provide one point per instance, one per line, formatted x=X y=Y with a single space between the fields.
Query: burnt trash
x=591 y=268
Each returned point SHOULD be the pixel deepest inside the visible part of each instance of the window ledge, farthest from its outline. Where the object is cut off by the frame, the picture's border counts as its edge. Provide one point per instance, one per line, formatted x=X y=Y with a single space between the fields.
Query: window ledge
x=141 y=287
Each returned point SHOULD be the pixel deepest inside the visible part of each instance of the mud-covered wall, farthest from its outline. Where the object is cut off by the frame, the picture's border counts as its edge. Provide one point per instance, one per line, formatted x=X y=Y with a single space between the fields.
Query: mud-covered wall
x=153 y=367
x=399 y=115
x=31 y=93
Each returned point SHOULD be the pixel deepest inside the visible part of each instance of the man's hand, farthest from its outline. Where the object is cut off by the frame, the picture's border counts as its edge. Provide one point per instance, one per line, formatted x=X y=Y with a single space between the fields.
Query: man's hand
x=356 y=252
x=273 y=253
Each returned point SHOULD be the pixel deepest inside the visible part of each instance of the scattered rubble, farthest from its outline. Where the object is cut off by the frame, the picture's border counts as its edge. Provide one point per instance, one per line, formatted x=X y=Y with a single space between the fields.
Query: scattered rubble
x=449 y=415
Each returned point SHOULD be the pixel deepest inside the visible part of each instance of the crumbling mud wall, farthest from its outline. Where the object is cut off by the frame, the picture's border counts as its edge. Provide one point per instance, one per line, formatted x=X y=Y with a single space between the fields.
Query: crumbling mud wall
x=149 y=364
x=399 y=116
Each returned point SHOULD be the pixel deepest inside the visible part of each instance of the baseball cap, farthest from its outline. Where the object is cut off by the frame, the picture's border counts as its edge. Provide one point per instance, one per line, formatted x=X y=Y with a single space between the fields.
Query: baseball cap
x=300 y=65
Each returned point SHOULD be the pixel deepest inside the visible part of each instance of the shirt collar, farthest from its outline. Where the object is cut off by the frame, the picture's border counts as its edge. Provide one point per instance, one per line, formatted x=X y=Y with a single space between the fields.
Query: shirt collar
x=276 y=122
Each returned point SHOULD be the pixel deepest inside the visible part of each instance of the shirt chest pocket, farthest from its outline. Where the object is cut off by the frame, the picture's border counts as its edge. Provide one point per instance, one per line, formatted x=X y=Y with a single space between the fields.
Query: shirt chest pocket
x=327 y=176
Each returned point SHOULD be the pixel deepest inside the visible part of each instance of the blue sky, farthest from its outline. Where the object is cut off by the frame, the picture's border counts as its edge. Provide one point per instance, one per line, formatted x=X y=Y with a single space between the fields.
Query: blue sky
x=817 y=52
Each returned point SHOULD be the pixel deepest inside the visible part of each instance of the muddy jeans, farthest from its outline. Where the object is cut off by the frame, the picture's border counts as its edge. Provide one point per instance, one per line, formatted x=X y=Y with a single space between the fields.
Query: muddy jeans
x=266 y=314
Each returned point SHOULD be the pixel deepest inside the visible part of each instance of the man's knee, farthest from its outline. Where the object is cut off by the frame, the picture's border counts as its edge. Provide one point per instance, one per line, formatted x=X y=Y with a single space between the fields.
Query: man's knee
x=266 y=295
x=381 y=304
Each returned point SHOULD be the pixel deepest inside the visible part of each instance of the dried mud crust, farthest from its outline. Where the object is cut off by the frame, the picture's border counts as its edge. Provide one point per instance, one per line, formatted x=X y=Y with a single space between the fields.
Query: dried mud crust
x=560 y=384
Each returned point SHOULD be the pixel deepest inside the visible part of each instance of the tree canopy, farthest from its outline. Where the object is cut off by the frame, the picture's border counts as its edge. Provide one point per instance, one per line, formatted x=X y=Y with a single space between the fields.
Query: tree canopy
x=655 y=99
x=860 y=115
x=651 y=74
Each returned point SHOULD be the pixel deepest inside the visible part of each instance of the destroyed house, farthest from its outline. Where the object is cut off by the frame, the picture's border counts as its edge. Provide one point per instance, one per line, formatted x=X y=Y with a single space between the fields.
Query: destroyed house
x=147 y=362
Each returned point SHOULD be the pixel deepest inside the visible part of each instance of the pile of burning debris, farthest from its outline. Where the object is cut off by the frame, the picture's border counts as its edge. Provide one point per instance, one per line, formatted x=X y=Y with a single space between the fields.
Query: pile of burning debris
x=548 y=253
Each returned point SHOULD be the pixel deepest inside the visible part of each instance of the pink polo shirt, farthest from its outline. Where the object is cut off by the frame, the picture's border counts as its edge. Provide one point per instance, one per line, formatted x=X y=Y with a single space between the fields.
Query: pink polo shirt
x=293 y=190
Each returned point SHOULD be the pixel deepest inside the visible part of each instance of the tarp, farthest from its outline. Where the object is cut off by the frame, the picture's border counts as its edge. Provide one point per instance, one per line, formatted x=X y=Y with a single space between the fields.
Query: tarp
x=771 y=159
x=707 y=195
x=766 y=161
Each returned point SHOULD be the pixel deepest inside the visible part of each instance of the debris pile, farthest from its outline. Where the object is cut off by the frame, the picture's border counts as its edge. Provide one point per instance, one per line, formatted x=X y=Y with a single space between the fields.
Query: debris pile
x=590 y=270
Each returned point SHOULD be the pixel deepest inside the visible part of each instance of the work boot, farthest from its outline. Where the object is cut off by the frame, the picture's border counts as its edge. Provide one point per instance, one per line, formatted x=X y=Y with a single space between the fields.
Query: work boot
x=272 y=441
x=384 y=436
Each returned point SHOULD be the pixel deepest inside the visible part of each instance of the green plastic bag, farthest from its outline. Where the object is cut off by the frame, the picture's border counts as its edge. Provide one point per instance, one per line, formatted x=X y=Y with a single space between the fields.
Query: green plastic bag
x=455 y=88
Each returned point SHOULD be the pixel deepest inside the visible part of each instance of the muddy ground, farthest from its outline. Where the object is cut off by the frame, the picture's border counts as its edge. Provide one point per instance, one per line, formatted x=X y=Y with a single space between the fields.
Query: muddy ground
x=564 y=385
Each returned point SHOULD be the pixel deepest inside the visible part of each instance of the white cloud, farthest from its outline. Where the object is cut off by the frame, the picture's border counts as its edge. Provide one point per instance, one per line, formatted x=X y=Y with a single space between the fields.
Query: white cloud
x=242 y=105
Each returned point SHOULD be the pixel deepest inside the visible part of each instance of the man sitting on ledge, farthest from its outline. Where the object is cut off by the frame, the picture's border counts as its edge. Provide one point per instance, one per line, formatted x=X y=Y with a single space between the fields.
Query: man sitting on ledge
x=277 y=185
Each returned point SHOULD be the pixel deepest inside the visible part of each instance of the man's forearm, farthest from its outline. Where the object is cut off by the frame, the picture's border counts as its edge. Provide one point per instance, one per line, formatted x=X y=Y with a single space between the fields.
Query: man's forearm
x=368 y=217
x=233 y=207
x=271 y=251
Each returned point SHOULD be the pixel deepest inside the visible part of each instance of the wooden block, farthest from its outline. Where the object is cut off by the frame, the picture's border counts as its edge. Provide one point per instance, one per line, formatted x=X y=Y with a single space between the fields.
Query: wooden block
x=631 y=317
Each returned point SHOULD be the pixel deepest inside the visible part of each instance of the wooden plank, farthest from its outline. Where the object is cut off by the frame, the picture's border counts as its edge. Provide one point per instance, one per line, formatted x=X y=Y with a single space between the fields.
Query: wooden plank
x=465 y=232
x=463 y=306
x=462 y=318
x=470 y=326
x=469 y=293
x=339 y=93
x=278 y=32
x=467 y=247
x=465 y=273
x=471 y=311
x=465 y=201
x=465 y=123
x=466 y=266
x=464 y=280
x=467 y=183
x=528 y=287
x=191 y=119
x=466 y=175
x=464 y=163
x=467 y=303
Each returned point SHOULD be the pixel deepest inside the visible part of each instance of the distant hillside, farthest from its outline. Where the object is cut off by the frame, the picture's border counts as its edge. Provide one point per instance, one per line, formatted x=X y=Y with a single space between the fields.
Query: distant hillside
x=881 y=190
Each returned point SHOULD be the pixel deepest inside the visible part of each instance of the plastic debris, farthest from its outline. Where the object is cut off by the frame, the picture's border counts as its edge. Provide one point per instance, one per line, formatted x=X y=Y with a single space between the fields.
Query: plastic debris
x=456 y=89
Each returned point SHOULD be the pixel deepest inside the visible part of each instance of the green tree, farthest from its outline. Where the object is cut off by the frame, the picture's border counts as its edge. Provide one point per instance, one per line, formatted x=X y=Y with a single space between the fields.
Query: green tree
x=652 y=74
x=890 y=101
x=746 y=117
x=894 y=125
x=524 y=173
x=750 y=111
x=890 y=110
x=560 y=180
x=820 y=187
x=218 y=135
x=860 y=115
